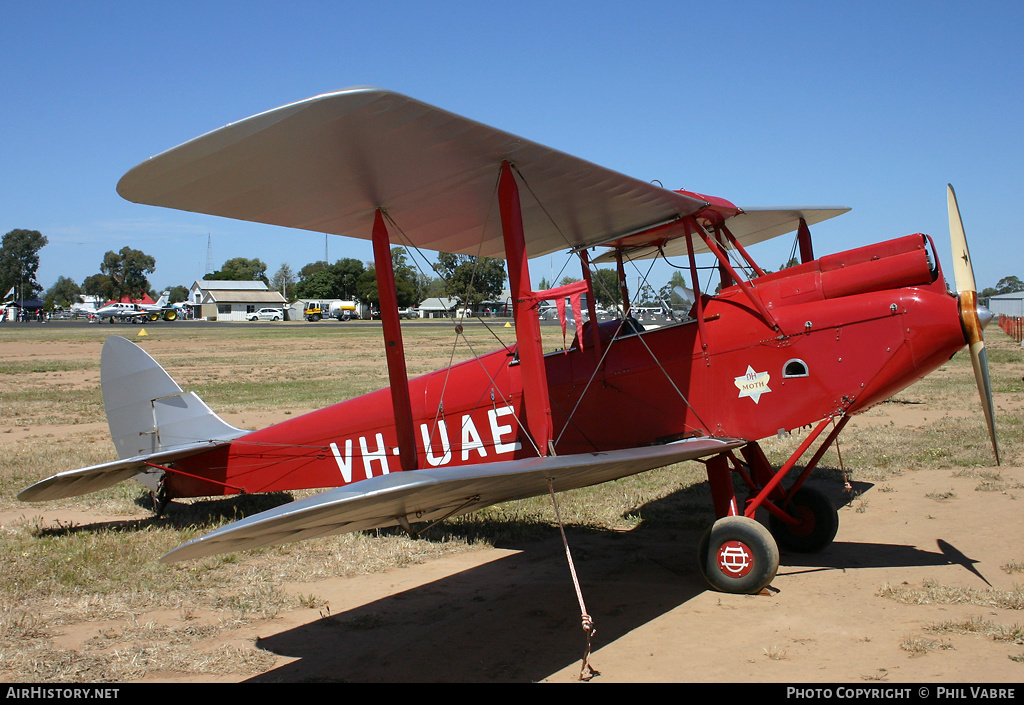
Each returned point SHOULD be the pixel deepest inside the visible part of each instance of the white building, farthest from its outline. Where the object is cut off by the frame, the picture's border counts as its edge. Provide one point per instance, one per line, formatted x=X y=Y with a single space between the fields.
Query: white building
x=219 y=300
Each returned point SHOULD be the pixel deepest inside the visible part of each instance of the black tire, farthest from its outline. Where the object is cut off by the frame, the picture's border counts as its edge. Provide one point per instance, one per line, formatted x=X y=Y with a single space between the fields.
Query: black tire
x=738 y=555
x=819 y=522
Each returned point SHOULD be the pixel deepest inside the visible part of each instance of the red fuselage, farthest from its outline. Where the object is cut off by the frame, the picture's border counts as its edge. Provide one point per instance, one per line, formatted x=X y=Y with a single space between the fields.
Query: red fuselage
x=849 y=330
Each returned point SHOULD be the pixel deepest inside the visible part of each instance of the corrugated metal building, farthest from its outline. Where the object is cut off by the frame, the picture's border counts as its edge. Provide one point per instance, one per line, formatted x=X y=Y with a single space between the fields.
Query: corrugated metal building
x=1007 y=304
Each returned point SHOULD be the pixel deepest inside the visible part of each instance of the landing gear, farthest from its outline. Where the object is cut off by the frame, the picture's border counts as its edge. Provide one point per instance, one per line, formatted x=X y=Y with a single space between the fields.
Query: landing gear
x=738 y=555
x=159 y=498
x=816 y=525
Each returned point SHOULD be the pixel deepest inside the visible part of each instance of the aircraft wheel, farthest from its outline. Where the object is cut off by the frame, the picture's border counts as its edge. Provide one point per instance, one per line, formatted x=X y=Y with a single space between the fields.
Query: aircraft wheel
x=819 y=522
x=738 y=555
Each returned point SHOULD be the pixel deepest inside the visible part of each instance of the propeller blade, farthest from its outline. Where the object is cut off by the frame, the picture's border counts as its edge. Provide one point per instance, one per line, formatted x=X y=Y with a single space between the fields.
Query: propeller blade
x=963 y=270
x=963 y=275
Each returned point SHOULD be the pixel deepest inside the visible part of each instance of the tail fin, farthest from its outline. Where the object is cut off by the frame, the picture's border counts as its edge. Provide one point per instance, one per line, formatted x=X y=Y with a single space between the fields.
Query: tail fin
x=164 y=299
x=151 y=420
x=147 y=411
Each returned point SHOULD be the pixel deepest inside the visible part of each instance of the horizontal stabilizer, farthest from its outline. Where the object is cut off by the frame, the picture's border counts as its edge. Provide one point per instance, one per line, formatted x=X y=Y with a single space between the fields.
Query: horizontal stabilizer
x=75 y=483
x=429 y=494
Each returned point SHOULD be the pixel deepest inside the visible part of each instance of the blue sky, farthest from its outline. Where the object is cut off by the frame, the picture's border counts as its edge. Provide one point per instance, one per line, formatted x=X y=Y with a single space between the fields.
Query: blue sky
x=872 y=105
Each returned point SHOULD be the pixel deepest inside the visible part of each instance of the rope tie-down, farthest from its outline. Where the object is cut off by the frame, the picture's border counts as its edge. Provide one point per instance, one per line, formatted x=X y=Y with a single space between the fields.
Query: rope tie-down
x=586 y=670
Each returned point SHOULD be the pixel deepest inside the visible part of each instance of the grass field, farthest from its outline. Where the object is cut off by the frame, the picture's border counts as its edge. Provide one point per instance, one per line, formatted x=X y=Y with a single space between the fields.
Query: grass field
x=59 y=574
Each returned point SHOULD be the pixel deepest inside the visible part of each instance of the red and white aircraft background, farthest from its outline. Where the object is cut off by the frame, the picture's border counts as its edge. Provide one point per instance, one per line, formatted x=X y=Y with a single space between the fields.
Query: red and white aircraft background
x=812 y=345
x=132 y=312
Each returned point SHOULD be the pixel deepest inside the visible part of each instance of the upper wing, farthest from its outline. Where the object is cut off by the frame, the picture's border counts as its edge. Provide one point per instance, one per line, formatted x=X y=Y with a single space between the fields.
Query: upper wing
x=425 y=495
x=749 y=226
x=325 y=164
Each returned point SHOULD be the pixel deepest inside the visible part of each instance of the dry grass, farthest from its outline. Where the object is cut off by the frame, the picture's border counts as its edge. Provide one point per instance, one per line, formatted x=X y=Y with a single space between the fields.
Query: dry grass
x=933 y=593
x=56 y=578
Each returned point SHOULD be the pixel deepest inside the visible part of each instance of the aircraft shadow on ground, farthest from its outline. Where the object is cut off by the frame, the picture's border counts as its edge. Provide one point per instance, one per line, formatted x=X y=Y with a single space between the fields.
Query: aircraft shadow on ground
x=518 y=619
x=515 y=619
x=207 y=513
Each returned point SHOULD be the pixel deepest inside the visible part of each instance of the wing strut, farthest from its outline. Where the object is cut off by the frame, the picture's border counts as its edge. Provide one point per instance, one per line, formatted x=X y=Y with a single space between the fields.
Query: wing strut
x=803 y=235
x=712 y=245
x=623 y=289
x=528 y=337
x=591 y=303
x=393 y=348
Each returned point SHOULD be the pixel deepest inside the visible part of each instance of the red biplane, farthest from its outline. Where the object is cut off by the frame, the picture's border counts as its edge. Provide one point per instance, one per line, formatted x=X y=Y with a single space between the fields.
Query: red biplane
x=810 y=345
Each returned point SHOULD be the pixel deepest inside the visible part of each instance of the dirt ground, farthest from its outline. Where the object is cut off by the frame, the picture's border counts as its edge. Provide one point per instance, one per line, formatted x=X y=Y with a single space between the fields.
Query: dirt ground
x=511 y=614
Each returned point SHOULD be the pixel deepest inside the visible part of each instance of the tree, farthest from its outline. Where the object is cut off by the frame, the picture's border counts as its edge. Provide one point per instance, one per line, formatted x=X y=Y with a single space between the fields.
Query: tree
x=1006 y=285
x=178 y=293
x=409 y=287
x=127 y=270
x=319 y=280
x=240 y=269
x=606 y=287
x=470 y=279
x=283 y=280
x=98 y=285
x=676 y=294
x=63 y=293
x=312 y=268
x=1009 y=285
x=19 y=262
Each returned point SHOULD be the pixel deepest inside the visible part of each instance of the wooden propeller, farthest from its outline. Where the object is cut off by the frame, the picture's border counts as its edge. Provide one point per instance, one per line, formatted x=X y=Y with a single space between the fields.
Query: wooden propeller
x=963 y=274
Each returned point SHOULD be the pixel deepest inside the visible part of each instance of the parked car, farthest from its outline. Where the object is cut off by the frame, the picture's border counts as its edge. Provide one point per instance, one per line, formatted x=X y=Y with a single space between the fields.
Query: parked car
x=266 y=314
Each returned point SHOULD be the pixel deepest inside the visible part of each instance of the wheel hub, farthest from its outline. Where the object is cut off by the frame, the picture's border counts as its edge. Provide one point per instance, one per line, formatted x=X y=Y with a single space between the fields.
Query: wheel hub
x=735 y=559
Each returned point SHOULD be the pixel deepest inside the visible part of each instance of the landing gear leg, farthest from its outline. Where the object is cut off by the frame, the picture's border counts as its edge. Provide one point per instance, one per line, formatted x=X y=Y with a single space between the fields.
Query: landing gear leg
x=736 y=554
x=160 y=498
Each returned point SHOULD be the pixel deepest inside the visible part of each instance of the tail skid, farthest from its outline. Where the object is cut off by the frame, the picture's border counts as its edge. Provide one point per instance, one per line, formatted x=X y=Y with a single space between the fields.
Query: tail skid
x=151 y=420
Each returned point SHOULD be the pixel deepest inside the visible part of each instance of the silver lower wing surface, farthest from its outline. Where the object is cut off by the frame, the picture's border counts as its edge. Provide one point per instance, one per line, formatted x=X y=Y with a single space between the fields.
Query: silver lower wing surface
x=425 y=495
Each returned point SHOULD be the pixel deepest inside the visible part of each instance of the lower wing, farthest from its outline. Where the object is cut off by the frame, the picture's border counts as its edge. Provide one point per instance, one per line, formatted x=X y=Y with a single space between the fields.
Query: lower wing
x=430 y=494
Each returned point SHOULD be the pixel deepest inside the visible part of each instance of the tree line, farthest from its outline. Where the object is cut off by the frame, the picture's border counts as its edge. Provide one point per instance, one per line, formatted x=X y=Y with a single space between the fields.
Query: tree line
x=471 y=280
x=124 y=274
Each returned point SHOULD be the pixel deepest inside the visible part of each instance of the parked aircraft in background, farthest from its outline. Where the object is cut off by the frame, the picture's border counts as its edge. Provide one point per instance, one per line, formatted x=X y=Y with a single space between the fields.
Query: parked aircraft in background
x=118 y=312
